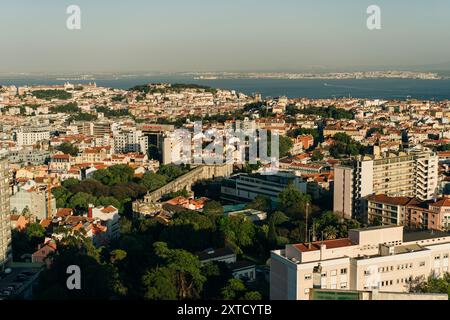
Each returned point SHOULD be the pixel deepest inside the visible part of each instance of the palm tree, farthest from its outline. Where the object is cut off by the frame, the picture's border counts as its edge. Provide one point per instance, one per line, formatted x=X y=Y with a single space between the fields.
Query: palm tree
x=330 y=233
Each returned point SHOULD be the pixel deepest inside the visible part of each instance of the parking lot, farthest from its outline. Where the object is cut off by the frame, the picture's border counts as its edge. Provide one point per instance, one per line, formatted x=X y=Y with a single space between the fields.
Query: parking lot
x=17 y=283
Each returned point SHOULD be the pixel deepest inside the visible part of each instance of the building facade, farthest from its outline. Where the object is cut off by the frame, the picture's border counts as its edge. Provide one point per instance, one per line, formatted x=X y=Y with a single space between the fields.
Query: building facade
x=33 y=199
x=130 y=141
x=25 y=156
x=246 y=187
x=377 y=258
x=409 y=212
x=412 y=174
x=30 y=136
x=5 y=225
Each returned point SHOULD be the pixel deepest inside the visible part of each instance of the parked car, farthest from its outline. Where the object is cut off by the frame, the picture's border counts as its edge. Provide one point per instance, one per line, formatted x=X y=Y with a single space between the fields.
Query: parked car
x=5 y=293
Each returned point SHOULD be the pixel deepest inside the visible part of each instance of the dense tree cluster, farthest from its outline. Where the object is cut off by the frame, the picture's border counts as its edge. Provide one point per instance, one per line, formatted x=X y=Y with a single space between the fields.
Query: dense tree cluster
x=116 y=186
x=112 y=113
x=52 y=94
x=152 y=260
x=25 y=242
x=68 y=148
x=82 y=116
x=431 y=285
x=71 y=107
x=327 y=112
x=345 y=146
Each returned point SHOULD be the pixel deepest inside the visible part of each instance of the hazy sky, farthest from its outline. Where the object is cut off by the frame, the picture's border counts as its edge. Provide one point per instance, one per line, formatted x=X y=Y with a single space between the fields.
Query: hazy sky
x=221 y=35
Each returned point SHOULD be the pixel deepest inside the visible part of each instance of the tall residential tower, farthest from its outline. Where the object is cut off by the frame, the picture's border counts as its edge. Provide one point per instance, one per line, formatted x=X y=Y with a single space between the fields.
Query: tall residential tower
x=403 y=174
x=5 y=226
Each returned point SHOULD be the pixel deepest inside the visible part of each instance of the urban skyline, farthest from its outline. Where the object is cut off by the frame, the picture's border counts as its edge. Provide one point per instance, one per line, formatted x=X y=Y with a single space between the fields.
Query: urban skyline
x=232 y=153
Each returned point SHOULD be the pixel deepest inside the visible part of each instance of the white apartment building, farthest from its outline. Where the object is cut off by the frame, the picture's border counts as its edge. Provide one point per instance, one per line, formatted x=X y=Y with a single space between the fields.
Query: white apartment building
x=412 y=174
x=109 y=216
x=30 y=136
x=131 y=140
x=377 y=258
x=5 y=224
x=246 y=187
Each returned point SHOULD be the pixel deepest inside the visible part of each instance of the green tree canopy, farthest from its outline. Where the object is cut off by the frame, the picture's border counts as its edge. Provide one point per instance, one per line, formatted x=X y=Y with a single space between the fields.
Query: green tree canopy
x=213 y=208
x=68 y=148
x=293 y=202
x=260 y=203
x=178 y=275
x=237 y=231
x=153 y=181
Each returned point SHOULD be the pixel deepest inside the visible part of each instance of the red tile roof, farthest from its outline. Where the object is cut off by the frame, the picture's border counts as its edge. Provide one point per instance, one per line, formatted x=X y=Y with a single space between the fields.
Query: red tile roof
x=402 y=201
x=330 y=244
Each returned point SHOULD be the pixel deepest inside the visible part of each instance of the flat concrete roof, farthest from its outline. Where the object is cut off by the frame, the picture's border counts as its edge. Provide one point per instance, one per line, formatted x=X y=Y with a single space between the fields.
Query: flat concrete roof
x=375 y=228
x=424 y=235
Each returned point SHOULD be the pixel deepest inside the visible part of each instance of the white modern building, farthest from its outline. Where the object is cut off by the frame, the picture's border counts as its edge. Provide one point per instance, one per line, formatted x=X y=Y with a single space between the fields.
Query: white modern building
x=109 y=217
x=131 y=140
x=29 y=136
x=246 y=187
x=378 y=258
x=5 y=224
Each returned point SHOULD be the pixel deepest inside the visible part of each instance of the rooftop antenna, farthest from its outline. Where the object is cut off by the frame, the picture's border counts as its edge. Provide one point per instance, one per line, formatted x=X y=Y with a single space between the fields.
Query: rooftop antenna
x=306 y=227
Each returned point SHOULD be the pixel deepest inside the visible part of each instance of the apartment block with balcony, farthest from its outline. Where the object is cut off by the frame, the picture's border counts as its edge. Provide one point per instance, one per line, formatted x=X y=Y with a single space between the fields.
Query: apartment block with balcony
x=409 y=212
x=29 y=136
x=411 y=174
x=5 y=224
x=378 y=258
x=130 y=141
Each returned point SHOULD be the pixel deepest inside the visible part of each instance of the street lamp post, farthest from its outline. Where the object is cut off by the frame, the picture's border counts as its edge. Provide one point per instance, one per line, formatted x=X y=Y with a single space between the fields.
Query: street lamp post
x=306 y=229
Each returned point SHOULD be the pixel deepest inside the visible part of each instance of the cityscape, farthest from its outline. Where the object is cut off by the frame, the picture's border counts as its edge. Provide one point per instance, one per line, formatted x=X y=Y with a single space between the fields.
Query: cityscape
x=360 y=184
x=177 y=188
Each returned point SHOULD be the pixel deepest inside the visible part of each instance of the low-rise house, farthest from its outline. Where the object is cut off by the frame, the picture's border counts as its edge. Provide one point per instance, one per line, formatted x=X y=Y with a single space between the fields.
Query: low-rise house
x=251 y=214
x=244 y=270
x=108 y=217
x=19 y=222
x=188 y=203
x=225 y=255
x=42 y=255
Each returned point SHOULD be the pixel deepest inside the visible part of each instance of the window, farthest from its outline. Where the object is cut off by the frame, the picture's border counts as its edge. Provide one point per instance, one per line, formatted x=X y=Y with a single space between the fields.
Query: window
x=343 y=285
x=437 y=257
x=344 y=271
x=307 y=277
x=324 y=274
x=445 y=256
x=422 y=264
x=306 y=291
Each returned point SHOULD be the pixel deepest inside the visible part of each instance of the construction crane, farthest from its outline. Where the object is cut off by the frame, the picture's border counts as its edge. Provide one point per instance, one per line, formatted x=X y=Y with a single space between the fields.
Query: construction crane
x=50 y=187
